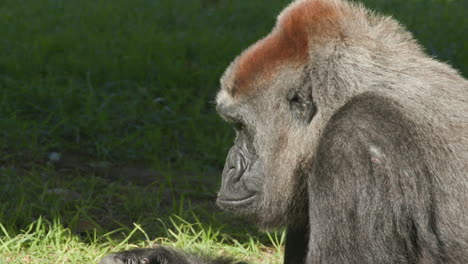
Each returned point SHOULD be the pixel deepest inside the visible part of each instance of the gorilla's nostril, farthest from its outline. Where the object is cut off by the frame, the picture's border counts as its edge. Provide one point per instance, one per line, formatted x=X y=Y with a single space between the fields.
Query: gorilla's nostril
x=240 y=164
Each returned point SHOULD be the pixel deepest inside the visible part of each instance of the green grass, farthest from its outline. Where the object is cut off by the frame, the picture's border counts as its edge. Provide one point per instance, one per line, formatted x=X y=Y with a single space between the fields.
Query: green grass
x=124 y=91
x=45 y=242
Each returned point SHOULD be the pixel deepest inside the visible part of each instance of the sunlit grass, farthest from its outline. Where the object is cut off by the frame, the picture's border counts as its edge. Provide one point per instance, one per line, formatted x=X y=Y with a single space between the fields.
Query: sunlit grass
x=116 y=86
x=45 y=242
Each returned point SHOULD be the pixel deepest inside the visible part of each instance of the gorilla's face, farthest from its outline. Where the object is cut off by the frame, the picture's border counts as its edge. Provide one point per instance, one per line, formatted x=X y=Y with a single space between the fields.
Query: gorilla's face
x=243 y=176
x=262 y=177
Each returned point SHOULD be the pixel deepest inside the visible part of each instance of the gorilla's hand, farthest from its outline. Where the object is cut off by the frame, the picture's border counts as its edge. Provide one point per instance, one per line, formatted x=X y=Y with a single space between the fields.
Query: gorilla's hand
x=161 y=255
x=158 y=255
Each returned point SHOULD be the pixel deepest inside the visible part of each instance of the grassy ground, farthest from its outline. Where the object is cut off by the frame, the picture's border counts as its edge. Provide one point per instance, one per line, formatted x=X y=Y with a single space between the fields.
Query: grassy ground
x=108 y=137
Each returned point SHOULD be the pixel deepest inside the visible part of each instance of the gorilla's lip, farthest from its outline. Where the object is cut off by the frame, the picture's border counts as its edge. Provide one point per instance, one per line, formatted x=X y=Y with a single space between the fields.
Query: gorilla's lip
x=237 y=202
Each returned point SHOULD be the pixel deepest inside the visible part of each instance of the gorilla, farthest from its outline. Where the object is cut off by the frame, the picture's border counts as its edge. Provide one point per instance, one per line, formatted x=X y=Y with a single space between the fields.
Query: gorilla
x=349 y=136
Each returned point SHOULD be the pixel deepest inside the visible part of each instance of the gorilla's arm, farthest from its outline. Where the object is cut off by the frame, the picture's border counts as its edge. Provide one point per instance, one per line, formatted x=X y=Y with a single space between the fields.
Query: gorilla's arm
x=297 y=238
x=371 y=195
x=160 y=255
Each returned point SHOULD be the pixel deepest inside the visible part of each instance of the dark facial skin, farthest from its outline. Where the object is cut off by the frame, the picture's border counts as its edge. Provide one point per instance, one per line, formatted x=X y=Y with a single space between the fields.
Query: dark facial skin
x=241 y=178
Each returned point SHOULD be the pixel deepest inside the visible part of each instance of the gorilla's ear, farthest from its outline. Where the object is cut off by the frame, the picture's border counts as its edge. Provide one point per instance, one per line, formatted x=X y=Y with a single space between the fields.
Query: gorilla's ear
x=301 y=106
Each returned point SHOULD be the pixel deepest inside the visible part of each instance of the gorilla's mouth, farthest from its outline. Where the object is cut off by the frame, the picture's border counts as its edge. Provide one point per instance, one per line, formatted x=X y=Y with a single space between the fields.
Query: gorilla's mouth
x=226 y=203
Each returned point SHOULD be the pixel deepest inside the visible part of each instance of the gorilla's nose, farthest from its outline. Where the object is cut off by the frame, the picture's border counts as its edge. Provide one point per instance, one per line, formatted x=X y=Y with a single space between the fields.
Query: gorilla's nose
x=234 y=190
x=235 y=164
x=234 y=168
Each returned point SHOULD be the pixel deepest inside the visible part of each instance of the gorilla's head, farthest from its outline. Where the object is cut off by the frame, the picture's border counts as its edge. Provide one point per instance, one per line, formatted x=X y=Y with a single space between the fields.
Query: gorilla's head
x=274 y=96
x=267 y=95
x=271 y=97
x=262 y=177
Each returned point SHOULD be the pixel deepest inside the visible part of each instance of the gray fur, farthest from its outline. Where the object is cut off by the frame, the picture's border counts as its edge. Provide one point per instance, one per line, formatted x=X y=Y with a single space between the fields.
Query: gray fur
x=420 y=161
x=370 y=164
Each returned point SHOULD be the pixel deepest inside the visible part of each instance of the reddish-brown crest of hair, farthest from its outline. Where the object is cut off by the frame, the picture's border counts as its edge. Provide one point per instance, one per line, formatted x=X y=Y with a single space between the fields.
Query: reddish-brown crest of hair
x=287 y=43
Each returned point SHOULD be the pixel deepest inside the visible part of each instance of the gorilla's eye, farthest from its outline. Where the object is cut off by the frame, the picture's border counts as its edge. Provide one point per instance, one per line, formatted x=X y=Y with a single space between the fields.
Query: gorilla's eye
x=239 y=125
x=295 y=99
x=232 y=118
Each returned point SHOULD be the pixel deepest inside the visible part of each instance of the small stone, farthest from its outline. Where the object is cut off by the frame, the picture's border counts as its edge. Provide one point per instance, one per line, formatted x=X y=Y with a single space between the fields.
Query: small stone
x=54 y=156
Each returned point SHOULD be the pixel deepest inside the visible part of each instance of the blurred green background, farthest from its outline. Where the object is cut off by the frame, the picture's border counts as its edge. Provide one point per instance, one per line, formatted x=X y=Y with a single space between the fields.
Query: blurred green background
x=107 y=115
